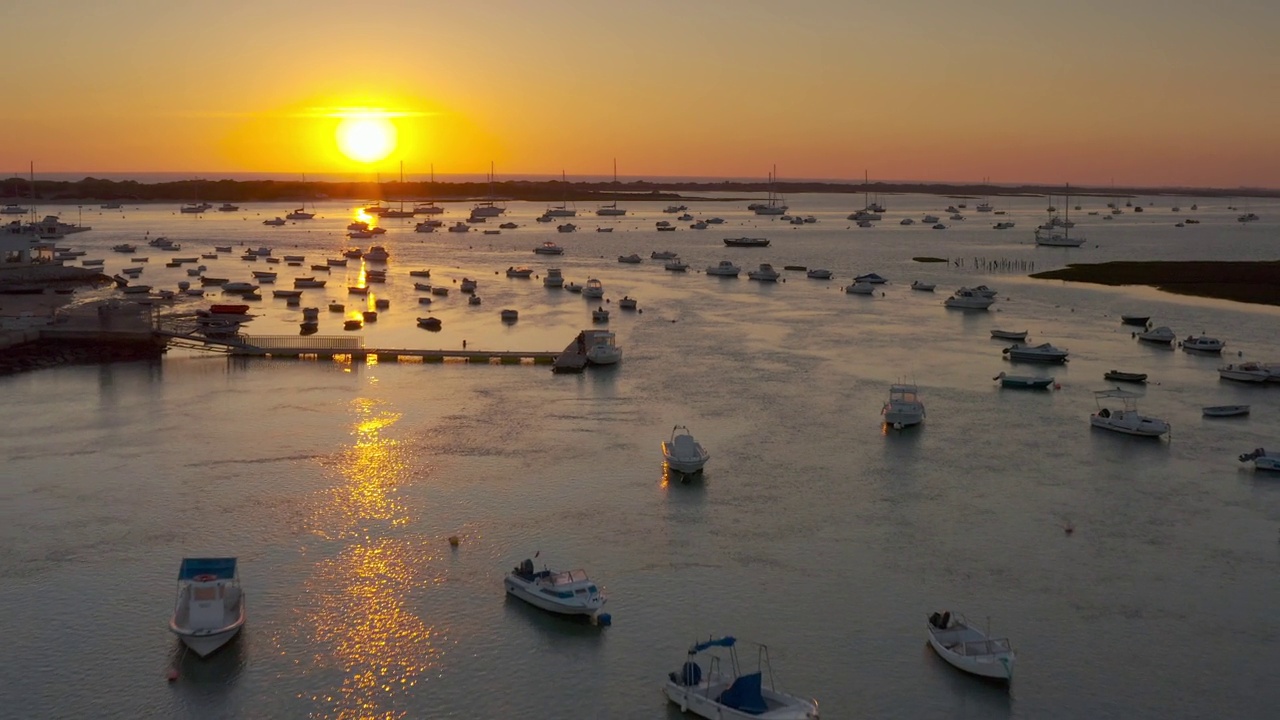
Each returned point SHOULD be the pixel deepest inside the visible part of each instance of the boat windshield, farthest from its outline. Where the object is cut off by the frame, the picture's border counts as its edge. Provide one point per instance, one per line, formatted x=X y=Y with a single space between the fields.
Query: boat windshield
x=569 y=577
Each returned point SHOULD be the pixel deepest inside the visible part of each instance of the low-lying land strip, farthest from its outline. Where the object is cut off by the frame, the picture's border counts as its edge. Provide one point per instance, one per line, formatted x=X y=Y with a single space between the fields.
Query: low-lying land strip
x=1242 y=281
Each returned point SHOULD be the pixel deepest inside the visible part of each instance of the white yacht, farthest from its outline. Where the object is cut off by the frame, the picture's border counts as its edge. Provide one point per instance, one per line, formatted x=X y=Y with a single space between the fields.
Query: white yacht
x=601 y=347
x=730 y=691
x=967 y=648
x=765 y=273
x=210 y=608
x=594 y=289
x=682 y=453
x=565 y=593
x=1125 y=420
x=1042 y=353
x=724 y=269
x=903 y=408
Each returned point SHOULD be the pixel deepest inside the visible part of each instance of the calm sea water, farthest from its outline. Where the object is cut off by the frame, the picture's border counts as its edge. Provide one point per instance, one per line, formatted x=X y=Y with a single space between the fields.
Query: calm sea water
x=814 y=530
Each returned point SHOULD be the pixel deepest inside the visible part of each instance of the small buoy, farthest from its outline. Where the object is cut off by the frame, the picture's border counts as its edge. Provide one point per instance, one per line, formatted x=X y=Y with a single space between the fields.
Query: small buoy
x=604 y=619
x=172 y=675
x=1069 y=528
x=1057 y=386
x=453 y=540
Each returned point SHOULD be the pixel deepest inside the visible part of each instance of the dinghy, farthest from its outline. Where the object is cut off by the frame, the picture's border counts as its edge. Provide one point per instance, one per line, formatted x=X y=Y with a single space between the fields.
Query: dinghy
x=967 y=648
x=210 y=608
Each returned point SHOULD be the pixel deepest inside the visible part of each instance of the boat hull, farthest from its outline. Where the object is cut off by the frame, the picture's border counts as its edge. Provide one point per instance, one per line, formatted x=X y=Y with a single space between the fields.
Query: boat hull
x=991 y=667
x=700 y=700
x=1143 y=429
x=206 y=642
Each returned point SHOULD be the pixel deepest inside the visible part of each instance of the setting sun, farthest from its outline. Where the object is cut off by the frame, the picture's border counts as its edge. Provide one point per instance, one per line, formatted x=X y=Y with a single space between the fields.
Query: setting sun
x=366 y=138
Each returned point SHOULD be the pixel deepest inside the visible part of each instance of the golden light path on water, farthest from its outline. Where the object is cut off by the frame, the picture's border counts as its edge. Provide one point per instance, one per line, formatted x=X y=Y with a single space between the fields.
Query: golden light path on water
x=359 y=608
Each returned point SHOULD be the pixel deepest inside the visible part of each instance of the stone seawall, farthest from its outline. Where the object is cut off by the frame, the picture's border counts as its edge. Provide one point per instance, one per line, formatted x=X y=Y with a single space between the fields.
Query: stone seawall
x=40 y=354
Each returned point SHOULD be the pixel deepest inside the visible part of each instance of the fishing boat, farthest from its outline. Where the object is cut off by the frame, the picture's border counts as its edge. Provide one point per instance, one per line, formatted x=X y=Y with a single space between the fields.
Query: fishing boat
x=1023 y=382
x=903 y=408
x=967 y=648
x=210 y=607
x=1126 y=420
x=594 y=289
x=746 y=242
x=1262 y=461
x=727 y=690
x=682 y=453
x=564 y=593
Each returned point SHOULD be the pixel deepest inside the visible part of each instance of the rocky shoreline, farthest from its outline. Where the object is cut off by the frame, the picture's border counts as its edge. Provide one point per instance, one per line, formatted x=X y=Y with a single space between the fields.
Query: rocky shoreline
x=43 y=354
x=1249 y=282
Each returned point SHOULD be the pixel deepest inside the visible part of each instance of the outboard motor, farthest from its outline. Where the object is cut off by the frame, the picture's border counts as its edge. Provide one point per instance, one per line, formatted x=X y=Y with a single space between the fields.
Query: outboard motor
x=690 y=674
x=946 y=619
x=935 y=620
x=526 y=568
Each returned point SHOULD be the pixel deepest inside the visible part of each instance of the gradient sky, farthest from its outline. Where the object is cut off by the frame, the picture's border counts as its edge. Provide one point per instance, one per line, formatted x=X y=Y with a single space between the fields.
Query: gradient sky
x=1145 y=92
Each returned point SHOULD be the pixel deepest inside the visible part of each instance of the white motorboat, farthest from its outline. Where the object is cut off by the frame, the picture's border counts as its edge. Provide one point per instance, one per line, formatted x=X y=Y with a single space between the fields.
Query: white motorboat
x=818 y=274
x=981 y=290
x=549 y=248
x=1160 y=336
x=210 y=608
x=600 y=315
x=922 y=286
x=967 y=648
x=969 y=300
x=1125 y=420
x=1202 y=343
x=728 y=691
x=1245 y=372
x=594 y=289
x=377 y=253
x=724 y=269
x=564 y=593
x=601 y=347
x=553 y=278
x=632 y=259
x=1024 y=382
x=765 y=273
x=1042 y=353
x=676 y=265
x=903 y=408
x=1020 y=336
x=860 y=288
x=682 y=453
x=519 y=272
x=573 y=287
x=1262 y=461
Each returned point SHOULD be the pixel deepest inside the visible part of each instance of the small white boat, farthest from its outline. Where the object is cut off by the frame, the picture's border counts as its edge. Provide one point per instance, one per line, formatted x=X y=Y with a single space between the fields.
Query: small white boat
x=922 y=286
x=627 y=303
x=564 y=593
x=1245 y=372
x=1202 y=343
x=1160 y=336
x=818 y=274
x=549 y=248
x=1126 y=420
x=1023 y=382
x=519 y=272
x=860 y=288
x=601 y=347
x=965 y=299
x=682 y=453
x=676 y=265
x=632 y=259
x=724 y=269
x=594 y=289
x=1042 y=353
x=1009 y=335
x=1225 y=410
x=1262 y=461
x=210 y=608
x=765 y=273
x=573 y=287
x=967 y=648
x=729 y=691
x=903 y=408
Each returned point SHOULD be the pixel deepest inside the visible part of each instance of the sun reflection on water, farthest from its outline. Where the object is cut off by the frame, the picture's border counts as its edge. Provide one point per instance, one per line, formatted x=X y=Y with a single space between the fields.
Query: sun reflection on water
x=359 y=617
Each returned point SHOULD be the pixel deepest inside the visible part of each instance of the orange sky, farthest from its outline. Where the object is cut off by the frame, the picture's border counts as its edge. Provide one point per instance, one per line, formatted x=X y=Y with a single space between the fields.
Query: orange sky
x=1173 y=93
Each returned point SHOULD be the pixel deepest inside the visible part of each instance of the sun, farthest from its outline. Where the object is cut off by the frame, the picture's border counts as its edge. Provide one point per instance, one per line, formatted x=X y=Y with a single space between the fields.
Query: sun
x=366 y=138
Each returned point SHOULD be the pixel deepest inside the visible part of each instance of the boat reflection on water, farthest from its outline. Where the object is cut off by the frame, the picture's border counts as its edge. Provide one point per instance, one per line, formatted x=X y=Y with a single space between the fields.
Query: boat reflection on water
x=358 y=615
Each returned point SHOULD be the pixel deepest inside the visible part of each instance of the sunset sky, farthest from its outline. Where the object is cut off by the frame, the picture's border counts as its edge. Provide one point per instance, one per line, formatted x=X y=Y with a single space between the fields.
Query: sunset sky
x=1145 y=92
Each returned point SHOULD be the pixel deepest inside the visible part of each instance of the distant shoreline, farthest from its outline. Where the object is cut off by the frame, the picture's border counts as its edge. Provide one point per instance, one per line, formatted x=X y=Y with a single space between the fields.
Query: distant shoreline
x=1255 y=282
x=18 y=190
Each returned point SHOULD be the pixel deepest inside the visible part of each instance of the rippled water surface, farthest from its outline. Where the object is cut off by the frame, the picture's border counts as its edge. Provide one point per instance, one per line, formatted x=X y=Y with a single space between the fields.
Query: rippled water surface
x=814 y=530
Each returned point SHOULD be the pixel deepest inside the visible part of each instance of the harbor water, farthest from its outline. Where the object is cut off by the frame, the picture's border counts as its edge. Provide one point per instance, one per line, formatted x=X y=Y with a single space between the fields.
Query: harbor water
x=815 y=529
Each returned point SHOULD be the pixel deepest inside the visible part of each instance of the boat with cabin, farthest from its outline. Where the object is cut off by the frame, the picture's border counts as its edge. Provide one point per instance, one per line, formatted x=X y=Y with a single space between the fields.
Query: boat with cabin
x=1246 y=372
x=725 y=268
x=1159 y=336
x=1203 y=344
x=765 y=273
x=564 y=593
x=903 y=408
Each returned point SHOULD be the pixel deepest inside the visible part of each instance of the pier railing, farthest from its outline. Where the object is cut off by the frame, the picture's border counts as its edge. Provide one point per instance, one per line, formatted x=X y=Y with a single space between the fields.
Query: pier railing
x=305 y=342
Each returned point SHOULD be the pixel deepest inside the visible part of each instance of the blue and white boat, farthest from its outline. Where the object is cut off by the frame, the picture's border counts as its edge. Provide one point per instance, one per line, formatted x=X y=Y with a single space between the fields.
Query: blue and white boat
x=210 y=608
x=565 y=593
x=725 y=690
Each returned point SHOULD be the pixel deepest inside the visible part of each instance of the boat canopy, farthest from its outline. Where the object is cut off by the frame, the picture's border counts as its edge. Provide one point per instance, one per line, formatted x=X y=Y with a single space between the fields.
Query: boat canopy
x=220 y=568
x=745 y=695
x=726 y=641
